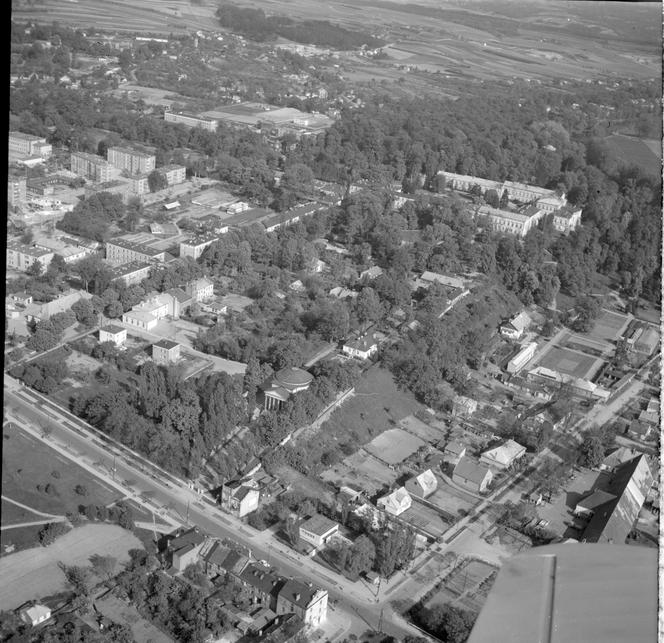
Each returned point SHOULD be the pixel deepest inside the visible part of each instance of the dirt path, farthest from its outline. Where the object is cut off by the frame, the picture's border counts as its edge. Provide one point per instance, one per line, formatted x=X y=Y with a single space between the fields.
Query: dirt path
x=30 y=509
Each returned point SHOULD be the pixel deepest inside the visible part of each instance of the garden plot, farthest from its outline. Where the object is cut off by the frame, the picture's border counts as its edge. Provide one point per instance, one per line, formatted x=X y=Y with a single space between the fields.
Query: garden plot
x=361 y=470
x=424 y=431
x=394 y=445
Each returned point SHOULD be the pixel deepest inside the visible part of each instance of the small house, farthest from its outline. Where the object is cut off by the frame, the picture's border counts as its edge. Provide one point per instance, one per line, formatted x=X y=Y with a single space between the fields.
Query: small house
x=165 y=351
x=422 y=485
x=318 y=530
x=454 y=451
x=362 y=348
x=112 y=333
x=185 y=547
x=396 y=502
x=503 y=456
x=516 y=327
x=35 y=614
x=240 y=497
x=463 y=406
x=472 y=475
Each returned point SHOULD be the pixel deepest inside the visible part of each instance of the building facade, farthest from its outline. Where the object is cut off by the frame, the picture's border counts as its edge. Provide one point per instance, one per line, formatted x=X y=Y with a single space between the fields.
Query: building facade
x=191 y=120
x=29 y=145
x=174 y=174
x=91 y=167
x=121 y=251
x=195 y=246
x=132 y=161
x=307 y=602
x=21 y=256
x=16 y=191
x=111 y=333
x=165 y=352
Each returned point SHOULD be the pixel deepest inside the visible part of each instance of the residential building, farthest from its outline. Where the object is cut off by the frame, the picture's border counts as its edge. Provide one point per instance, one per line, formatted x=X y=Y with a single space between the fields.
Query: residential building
x=16 y=191
x=184 y=548
x=617 y=457
x=566 y=219
x=306 y=601
x=472 y=475
x=427 y=278
x=454 y=451
x=21 y=256
x=371 y=273
x=191 y=120
x=240 y=497
x=35 y=614
x=133 y=161
x=396 y=502
x=263 y=584
x=516 y=327
x=131 y=273
x=363 y=347
x=112 y=333
x=524 y=355
x=294 y=215
x=573 y=592
x=165 y=352
x=29 y=145
x=63 y=302
x=503 y=456
x=139 y=184
x=285 y=383
x=147 y=314
x=22 y=298
x=91 y=167
x=422 y=485
x=121 y=250
x=463 y=406
x=174 y=174
x=195 y=246
x=214 y=559
x=180 y=301
x=201 y=289
x=509 y=222
x=317 y=531
x=639 y=430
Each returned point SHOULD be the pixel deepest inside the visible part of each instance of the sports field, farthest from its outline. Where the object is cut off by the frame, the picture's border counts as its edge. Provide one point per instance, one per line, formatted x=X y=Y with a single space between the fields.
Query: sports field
x=609 y=326
x=569 y=362
x=34 y=573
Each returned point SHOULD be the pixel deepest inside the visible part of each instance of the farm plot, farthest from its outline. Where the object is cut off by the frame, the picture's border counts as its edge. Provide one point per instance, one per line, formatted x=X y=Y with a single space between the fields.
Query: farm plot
x=34 y=573
x=569 y=362
x=394 y=445
x=426 y=432
x=467 y=577
x=451 y=500
x=425 y=519
x=362 y=470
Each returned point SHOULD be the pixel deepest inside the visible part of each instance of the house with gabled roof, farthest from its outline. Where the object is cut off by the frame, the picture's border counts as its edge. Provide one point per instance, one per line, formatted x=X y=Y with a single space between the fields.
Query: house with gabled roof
x=185 y=547
x=396 y=502
x=422 y=485
x=503 y=456
x=304 y=600
x=472 y=475
x=240 y=497
x=463 y=406
x=454 y=451
x=516 y=327
x=362 y=348
x=613 y=520
x=263 y=583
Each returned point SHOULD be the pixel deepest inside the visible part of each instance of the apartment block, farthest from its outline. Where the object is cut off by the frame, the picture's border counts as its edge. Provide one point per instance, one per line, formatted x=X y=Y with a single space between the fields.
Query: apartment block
x=121 y=251
x=21 y=256
x=174 y=174
x=91 y=167
x=16 y=191
x=134 y=161
x=195 y=246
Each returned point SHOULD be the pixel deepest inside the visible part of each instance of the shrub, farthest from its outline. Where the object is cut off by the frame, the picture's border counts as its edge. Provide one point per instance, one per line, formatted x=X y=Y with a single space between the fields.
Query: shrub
x=51 y=531
x=81 y=490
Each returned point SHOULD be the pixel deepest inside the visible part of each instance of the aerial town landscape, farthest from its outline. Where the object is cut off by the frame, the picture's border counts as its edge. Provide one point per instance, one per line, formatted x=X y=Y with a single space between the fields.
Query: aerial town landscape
x=332 y=322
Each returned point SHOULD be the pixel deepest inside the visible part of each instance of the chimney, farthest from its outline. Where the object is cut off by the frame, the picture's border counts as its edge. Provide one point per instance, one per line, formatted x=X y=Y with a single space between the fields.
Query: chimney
x=297 y=596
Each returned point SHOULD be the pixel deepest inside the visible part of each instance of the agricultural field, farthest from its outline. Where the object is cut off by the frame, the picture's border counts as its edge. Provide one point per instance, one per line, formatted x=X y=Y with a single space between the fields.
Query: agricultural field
x=569 y=362
x=34 y=573
x=635 y=151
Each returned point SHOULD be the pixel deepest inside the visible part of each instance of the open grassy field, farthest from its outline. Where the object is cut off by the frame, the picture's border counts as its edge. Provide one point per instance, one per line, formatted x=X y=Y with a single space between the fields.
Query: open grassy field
x=12 y=514
x=609 y=326
x=635 y=151
x=569 y=362
x=29 y=464
x=34 y=573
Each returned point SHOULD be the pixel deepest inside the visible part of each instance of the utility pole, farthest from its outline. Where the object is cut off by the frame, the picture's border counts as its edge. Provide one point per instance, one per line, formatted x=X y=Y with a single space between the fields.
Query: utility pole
x=187 y=518
x=380 y=622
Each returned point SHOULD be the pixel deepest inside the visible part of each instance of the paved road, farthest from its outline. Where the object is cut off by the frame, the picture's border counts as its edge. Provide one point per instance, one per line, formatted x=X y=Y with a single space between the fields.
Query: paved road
x=166 y=496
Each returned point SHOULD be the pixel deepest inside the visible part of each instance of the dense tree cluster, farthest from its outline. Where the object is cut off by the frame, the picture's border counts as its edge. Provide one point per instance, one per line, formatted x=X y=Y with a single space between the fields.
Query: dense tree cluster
x=446 y=622
x=254 y=24
x=45 y=374
x=93 y=217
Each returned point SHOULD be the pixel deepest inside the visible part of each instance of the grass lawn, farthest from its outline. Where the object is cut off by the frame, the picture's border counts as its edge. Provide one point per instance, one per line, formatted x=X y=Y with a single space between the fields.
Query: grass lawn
x=14 y=515
x=12 y=540
x=377 y=405
x=28 y=463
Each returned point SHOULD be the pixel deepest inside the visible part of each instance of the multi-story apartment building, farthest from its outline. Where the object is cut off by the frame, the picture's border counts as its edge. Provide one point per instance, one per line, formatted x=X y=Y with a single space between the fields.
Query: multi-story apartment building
x=29 y=145
x=134 y=161
x=174 y=173
x=131 y=273
x=191 y=120
x=21 y=256
x=139 y=184
x=16 y=191
x=91 y=166
x=309 y=603
x=121 y=251
x=195 y=246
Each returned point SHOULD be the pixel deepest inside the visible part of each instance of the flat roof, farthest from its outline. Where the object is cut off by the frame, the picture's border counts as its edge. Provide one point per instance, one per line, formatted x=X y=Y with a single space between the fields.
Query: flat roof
x=166 y=343
x=113 y=330
x=595 y=593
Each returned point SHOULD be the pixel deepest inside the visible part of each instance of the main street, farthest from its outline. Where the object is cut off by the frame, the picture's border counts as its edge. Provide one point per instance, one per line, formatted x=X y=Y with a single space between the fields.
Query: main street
x=162 y=495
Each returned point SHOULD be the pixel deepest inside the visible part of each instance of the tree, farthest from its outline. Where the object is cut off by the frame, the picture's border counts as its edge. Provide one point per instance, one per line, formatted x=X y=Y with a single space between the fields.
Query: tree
x=362 y=555
x=157 y=181
x=35 y=269
x=592 y=451
x=103 y=566
x=368 y=307
x=491 y=197
x=587 y=310
x=504 y=200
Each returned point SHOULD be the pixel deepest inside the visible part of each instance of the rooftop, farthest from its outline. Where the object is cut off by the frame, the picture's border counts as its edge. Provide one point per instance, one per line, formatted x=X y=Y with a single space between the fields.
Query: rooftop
x=297 y=593
x=167 y=344
x=471 y=470
x=113 y=329
x=293 y=376
x=318 y=524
